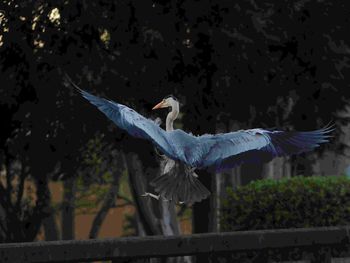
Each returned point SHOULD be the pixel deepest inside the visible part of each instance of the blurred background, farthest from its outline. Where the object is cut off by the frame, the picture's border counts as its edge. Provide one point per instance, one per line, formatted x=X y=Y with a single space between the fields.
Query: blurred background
x=66 y=172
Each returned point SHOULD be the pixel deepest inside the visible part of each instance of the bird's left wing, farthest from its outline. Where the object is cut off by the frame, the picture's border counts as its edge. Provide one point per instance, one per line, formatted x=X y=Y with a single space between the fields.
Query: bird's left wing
x=132 y=122
x=224 y=151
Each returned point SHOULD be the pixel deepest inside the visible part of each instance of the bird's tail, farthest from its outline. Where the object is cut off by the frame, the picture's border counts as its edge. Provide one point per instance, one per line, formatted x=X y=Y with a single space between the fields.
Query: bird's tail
x=183 y=187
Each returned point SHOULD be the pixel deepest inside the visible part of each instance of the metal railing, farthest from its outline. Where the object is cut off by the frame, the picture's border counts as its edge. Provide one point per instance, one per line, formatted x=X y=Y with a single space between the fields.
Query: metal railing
x=313 y=244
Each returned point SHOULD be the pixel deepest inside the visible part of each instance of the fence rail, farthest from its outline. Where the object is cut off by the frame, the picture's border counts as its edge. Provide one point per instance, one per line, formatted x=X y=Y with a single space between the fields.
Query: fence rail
x=119 y=249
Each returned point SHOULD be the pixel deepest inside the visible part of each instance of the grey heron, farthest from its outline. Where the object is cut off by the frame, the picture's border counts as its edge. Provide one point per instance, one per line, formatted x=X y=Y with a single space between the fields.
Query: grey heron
x=186 y=152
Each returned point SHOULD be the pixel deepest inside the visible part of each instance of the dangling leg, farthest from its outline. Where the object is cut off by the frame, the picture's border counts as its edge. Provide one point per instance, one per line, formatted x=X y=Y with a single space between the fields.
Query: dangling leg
x=147 y=194
x=167 y=164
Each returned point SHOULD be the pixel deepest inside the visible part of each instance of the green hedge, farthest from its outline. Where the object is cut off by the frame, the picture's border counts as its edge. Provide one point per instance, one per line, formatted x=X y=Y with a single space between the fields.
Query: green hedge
x=287 y=203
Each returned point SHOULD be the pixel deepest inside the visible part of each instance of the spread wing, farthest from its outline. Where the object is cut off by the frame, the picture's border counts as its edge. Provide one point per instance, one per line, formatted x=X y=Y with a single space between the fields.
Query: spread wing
x=132 y=122
x=225 y=151
x=220 y=151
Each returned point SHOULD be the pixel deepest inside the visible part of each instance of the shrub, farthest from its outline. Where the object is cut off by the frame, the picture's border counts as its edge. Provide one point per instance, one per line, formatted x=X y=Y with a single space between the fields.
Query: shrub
x=287 y=203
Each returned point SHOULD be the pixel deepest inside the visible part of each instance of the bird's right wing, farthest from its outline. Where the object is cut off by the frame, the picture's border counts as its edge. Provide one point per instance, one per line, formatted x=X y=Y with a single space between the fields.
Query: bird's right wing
x=225 y=151
x=132 y=122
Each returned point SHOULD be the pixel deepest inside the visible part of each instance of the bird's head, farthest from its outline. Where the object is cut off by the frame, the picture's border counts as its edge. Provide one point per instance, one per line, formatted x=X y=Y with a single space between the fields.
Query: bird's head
x=168 y=102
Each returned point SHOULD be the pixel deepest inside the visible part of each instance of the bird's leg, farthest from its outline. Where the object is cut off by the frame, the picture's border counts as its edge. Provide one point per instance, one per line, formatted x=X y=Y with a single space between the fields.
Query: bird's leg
x=168 y=165
x=158 y=153
x=147 y=194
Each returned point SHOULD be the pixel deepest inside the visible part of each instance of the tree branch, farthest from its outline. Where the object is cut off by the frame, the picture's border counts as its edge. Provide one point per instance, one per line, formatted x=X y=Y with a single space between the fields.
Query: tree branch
x=8 y=179
x=20 y=190
x=109 y=200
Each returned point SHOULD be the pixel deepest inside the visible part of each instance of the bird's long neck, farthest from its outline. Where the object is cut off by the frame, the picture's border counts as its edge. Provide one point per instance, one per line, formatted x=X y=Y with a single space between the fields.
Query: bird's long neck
x=171 y=117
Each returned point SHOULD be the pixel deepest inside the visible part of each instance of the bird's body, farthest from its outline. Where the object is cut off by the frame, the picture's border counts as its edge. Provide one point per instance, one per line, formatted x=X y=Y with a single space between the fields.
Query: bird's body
x=186 y=152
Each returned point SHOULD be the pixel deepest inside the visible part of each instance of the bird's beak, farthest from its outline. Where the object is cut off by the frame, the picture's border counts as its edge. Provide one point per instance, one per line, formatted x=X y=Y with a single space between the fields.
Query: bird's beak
x=159 y=105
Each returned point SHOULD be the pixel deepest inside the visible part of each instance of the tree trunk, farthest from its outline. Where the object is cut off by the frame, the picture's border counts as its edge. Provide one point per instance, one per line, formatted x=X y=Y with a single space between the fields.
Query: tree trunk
x=202 y=212
x=3 y=224
x=50 y=227
x=167 y=214
x=169 y=222
x=108 y=203
x=170 y=225
x=235 y=177
x=218 y=180
x=68 y=208
x=316 y=166
x=278 y=168
x=31 y=226
x=304 y=164
x=138 y=187
x=294 y=165
x=139 y=227
x=287 y=169
x=268 y=170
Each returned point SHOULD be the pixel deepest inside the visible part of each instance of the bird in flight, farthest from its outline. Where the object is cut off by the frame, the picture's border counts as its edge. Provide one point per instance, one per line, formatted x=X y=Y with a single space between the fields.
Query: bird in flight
x=186 y=152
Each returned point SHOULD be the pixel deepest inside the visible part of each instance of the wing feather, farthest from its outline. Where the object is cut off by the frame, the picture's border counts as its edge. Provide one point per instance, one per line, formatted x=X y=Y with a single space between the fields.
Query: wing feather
x=217 y=148
x=225 y=151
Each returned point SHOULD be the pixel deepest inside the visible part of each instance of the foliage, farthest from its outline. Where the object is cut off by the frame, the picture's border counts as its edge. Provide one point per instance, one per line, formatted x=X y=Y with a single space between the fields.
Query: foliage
x=288 y=203
x=88 y=198
x=130 y=225
x=99 y=163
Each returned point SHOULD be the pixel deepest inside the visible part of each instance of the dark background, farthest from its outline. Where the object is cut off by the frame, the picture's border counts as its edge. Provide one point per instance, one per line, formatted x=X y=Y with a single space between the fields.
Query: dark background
x=232 y=65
